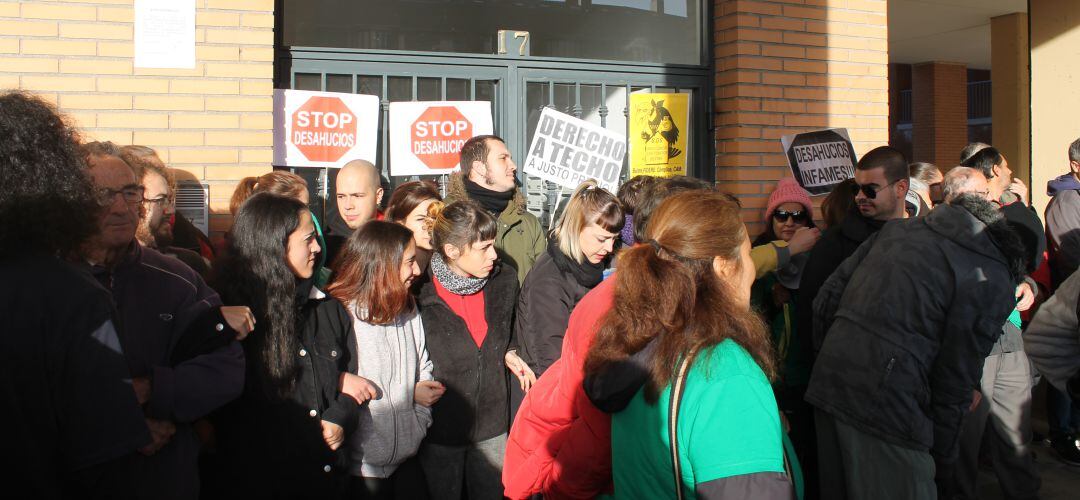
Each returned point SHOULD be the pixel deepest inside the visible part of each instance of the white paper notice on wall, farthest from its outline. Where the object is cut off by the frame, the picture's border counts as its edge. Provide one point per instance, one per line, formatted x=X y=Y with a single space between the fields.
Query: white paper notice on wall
x=165 y=34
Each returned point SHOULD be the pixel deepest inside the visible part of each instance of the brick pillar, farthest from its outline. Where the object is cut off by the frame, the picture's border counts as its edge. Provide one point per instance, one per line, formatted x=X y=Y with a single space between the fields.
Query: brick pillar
x=784 y=67
x=939 y=112
x=1011 y=91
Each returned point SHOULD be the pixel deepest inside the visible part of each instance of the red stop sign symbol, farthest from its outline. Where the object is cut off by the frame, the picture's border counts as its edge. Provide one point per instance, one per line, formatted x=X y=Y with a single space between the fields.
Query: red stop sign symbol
x=323 y=129
x=437 y=136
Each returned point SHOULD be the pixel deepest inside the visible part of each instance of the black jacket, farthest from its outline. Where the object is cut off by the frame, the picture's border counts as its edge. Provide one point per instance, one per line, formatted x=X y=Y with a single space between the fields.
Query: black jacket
x=70 y=418
x=837 y=244
x=909 y=319
x=548 y=296
x=274 y=446
x=475 y=406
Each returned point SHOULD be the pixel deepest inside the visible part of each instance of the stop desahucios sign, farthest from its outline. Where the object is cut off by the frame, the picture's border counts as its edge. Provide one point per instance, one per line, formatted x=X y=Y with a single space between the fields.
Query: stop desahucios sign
x=323 y=129
x=437 y=136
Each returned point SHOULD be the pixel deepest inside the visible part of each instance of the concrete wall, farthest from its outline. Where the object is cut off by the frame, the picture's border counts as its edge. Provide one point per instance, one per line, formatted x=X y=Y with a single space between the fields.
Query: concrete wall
x=1055 y=89
x=213 y=122
x=791 y=66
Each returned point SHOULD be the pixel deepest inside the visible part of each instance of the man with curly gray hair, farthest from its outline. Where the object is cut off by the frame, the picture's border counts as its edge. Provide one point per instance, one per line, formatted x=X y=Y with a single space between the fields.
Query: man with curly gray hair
x=71 y=416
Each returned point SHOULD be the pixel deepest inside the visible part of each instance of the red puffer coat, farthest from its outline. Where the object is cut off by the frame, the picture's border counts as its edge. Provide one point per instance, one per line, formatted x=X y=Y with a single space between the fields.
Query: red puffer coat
x=560 y=444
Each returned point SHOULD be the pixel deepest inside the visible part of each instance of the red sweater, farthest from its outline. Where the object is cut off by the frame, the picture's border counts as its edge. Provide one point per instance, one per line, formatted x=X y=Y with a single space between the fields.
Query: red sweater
x=469 y=308
x=560 y=444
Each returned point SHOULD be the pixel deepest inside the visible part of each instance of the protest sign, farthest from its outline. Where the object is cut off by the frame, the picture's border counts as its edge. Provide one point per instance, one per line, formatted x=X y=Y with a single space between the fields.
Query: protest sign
x=426 y=137
x=324 y=129
x=821 y=159
x=567 y=151
x=659 y=127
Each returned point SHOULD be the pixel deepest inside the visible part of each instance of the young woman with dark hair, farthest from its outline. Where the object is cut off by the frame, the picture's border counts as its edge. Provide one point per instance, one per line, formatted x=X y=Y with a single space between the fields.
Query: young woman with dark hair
x=282 y=437
x=289 y=185
x=573 y=264
x=412 y=205
x=467 y=309
x=375 y=268
x=688 y=288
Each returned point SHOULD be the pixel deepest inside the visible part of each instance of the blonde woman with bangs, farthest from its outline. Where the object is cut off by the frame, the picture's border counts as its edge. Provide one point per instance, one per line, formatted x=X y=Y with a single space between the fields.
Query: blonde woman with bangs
x=577 y=253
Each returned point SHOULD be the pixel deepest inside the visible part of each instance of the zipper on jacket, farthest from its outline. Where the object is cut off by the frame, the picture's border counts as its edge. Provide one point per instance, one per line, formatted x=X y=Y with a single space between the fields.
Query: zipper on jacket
x=476 y=393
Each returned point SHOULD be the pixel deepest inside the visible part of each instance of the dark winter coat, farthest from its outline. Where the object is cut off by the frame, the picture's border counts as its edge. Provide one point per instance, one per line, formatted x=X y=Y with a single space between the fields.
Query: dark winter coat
x=1063 y=227
x=173 y=333
x=909 y=319
x=70 y=417
x=543 y=311
x=274 y=446
x=837 y=244
x=475 y=405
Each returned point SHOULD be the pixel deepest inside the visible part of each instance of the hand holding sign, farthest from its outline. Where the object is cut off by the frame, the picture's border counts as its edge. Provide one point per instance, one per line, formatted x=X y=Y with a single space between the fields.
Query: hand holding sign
x=567 y=151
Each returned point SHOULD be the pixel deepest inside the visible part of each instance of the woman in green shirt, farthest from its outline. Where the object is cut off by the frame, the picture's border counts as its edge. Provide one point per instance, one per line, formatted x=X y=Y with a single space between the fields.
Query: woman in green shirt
x=688 y=286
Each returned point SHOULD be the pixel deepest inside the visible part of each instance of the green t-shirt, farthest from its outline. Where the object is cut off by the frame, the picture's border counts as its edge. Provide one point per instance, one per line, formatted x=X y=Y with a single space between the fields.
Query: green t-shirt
x=728 y=426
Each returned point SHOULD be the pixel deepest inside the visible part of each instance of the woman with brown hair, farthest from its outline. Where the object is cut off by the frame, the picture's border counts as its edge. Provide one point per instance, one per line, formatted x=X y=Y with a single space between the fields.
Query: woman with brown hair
x=412 y=205
x=467 y=308
x=374 y=270
x=688 y=287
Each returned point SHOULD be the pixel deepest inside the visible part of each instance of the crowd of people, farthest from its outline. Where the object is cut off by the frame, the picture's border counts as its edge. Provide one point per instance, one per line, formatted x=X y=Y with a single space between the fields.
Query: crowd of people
x=647 y=346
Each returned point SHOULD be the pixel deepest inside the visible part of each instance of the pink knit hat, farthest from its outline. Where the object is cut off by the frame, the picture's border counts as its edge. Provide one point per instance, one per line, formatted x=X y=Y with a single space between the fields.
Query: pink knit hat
x=788 y=190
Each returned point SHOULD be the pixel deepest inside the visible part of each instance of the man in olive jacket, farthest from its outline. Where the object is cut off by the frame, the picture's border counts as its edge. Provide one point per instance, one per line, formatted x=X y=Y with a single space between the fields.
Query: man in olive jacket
x=487 y=177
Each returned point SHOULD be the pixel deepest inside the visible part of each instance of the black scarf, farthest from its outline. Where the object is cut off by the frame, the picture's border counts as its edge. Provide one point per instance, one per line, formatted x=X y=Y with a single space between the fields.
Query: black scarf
x=586 y=273
x=494 y=202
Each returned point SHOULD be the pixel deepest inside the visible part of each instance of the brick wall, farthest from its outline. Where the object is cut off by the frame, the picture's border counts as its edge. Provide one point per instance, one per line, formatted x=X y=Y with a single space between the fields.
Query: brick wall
x=213 y=122
x=939 y=112
x=784 y=67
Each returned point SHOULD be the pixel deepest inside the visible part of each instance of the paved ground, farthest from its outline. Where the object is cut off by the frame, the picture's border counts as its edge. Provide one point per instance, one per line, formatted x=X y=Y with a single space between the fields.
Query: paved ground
x=1059 y=481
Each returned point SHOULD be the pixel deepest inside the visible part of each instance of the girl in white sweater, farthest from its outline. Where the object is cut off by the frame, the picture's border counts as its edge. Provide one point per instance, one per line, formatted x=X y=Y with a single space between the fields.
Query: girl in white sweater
x=372 y=276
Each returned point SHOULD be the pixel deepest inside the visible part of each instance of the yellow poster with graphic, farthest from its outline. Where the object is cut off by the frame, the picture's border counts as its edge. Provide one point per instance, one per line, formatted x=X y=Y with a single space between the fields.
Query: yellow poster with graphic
x=659 y=128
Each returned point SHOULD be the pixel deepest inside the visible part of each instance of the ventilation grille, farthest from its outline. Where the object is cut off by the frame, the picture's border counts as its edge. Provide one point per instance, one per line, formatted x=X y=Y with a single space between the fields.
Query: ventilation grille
x=191 y=202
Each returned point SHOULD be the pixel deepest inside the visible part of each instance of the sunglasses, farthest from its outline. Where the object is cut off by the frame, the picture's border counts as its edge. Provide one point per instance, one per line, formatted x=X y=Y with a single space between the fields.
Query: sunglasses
x=869 y=190
x=782 y=216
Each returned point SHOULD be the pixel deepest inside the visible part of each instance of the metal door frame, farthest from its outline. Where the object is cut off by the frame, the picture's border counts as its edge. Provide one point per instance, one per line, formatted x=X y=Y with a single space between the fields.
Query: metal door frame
x=514 y=72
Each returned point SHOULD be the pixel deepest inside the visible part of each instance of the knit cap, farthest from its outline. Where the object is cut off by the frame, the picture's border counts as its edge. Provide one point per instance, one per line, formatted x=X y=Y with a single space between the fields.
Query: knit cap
x=789 y=191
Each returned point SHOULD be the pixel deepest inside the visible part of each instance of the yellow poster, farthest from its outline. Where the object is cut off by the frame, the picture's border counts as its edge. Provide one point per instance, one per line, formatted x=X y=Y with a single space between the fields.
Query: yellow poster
x=659 y=127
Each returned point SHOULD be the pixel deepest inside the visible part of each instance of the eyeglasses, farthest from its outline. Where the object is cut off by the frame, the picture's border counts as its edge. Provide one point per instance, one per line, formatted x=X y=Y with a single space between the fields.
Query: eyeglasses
x=868 y=190
x=131 y=195
x=782 y=216
x=159 y=201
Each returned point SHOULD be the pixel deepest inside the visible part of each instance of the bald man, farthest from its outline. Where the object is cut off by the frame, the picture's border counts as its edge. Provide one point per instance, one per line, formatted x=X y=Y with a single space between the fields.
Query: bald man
x=358 y=192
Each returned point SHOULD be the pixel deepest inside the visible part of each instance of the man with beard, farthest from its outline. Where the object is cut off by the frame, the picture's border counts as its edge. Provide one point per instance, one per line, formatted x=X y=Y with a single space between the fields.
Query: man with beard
x=155 y=228
x=488 y=177
x=880 y=190
x=180 y=343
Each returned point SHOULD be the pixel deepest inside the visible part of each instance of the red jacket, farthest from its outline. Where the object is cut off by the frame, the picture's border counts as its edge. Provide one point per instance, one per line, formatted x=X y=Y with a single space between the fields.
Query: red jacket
x=560 y=444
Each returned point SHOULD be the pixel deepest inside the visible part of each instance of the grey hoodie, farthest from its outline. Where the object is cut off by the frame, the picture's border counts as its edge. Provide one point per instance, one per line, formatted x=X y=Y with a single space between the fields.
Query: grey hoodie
x=1052 y=340
x=394 y=358
x=1063 y=227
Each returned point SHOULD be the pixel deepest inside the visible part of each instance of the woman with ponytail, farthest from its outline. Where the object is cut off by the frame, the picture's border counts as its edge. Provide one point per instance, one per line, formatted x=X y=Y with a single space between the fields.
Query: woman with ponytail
x=686 y=291
x=467 y=308
x=577 y=253
x=289 y=185
x=282 y=437
x=686 y=285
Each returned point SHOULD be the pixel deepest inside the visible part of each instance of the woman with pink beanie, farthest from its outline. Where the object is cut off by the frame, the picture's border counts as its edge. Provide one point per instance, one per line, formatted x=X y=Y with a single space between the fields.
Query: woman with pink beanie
x=789 y=212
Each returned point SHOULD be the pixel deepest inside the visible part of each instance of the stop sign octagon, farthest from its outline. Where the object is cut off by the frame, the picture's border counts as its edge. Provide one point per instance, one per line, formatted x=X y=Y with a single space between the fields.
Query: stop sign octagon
x=323 y=129
x=437 y=135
